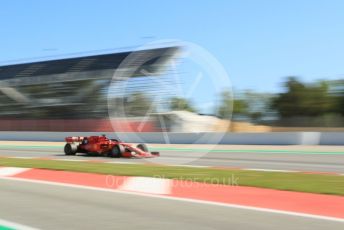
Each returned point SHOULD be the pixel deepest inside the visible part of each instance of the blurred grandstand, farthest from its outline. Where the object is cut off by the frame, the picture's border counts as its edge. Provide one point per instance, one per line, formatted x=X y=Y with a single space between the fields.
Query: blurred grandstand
x=87 y=94
x=71 y=94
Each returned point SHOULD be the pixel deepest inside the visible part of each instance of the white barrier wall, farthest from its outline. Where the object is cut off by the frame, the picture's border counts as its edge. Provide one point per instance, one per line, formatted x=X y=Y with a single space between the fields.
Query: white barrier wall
x=275 y=138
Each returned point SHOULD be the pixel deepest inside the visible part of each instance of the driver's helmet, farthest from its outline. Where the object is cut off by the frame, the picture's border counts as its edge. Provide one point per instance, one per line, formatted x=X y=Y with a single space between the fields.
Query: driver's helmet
x=84 y=141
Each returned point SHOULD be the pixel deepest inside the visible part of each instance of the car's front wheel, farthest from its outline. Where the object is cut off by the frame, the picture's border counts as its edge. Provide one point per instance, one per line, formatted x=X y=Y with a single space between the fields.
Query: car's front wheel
x=143 y=147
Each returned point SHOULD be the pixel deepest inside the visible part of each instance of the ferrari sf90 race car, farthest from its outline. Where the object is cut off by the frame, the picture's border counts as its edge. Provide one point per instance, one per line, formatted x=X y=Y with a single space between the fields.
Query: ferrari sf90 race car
x=101 y=145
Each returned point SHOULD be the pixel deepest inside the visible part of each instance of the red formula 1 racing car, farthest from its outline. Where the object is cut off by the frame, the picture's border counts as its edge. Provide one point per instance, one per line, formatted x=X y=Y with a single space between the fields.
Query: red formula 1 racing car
x=101 y=145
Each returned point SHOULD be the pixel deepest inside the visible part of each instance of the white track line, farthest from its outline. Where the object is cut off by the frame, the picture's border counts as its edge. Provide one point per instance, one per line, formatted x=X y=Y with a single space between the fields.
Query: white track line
x=11 y=171
x=147 y=185
x=77 y=160
x=192 y=166
x=304 y=215
x=13 y=225
x=23 y=157
x=269 y=170
x=124 y=162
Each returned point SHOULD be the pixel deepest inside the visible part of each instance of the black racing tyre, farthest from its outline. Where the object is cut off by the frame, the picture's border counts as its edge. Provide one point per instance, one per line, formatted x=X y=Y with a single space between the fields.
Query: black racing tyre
x=143 y=147
x=70 y=149
x=117 y=151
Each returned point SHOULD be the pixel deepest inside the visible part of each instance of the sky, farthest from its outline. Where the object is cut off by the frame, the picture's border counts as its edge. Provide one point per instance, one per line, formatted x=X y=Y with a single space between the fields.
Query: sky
x=259 y=43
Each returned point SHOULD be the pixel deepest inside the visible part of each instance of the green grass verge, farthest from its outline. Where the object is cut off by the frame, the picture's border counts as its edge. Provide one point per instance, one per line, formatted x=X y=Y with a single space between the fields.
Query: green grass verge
x=324 y=184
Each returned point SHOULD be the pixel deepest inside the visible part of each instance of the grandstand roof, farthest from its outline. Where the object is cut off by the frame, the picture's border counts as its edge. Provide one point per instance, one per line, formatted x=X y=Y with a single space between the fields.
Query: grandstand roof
x=85 y=63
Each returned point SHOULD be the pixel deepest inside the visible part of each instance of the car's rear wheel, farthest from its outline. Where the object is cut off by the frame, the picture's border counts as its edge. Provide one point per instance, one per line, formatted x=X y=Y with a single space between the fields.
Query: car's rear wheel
x=143 y=147
x=117 y=151
x=70 y=149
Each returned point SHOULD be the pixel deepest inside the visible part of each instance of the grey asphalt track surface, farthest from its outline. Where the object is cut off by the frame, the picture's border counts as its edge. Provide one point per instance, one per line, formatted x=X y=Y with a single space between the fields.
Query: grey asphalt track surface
x=55 y=207
x=241 y=159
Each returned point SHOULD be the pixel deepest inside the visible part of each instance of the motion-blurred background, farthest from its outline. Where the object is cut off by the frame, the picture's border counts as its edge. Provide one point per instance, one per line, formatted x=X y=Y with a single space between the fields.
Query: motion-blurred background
x=286 y=71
